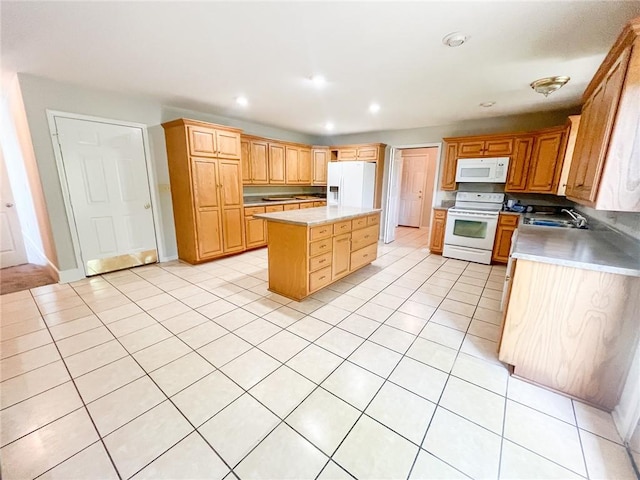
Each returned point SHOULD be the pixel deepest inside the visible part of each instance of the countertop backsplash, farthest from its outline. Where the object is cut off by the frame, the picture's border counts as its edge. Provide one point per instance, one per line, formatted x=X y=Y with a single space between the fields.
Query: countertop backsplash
x=625 y=222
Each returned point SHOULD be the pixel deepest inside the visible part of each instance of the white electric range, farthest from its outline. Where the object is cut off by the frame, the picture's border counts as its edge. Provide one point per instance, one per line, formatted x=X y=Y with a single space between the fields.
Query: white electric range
x=471 y=226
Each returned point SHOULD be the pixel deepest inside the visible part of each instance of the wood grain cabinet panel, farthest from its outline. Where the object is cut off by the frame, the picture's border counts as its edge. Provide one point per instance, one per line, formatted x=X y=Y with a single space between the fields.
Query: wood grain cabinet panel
x=321 y=158
x=519 y=165
x=448 y=180
x=341 y=260
x=276 y=163
x=436 y=243
x=245 y=161
x=507 y=224
x=546 y=162
x=498 y=148
x=605 y=172
x=292 y=160
x=291 y=206
x=347 y=154
x=259 y=162
x=206 y=173
x=304 y=167
x=471 y=149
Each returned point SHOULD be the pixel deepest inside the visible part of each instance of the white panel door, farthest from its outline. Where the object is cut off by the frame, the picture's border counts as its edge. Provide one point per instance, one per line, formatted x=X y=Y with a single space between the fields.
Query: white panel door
x=12 y=251
x=411 y=190
x=106 y=172
x=393 y=199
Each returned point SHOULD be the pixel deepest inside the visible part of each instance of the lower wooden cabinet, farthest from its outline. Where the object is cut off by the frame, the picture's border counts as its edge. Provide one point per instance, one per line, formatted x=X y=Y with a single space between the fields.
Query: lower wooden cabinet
x=255 y=228
x=303 y=259
x=438 y=224
x=507 y=224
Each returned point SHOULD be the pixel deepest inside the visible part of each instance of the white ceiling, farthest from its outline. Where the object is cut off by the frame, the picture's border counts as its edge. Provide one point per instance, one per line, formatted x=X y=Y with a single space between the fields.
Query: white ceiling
x=202 y=55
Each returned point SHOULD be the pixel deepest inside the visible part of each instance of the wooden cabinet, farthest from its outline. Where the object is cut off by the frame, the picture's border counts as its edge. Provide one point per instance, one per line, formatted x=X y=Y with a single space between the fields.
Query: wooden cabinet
x=501 y=147
x=277 y=164
x=436 y=243
x=255 y=161
x=507 y=224
x=572 y=330
x=206 y=189
x=605 y=170
x=255 y=228
x=320 y=160
x=304 y=259
x=519 y=165
x=298 y=165
x=448 y=180
x=546 y=161
x=573 y=125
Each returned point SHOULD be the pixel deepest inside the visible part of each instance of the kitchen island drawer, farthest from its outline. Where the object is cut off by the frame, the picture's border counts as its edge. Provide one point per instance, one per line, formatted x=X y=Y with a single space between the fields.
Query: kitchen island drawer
x=363 y=256
x=320 y=246
x=373 y=219
x=319 y=279
x=360 y=222
x=320 y=261
x=364 y=237
x=341 y=227
x=321 y=231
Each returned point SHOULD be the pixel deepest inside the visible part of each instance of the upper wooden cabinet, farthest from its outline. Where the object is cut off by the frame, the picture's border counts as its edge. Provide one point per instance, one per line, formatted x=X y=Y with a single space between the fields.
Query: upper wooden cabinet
x=320 y=159
x=277 y=163
x=298 y=165
x=373 y=152
x=519 y=165
x=448 y=181
x=546 y=162
x=206 y=189
x=255 y=161
x=496 y=147
x=605 y=172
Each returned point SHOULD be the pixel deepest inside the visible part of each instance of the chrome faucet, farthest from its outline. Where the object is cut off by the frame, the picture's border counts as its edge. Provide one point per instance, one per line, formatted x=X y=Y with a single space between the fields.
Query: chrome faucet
x=578 y=220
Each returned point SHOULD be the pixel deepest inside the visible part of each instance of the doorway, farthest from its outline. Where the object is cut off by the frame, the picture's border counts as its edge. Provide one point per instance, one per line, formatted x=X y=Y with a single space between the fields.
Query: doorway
x=417 y=185
x=12 y=250
x=104 y=174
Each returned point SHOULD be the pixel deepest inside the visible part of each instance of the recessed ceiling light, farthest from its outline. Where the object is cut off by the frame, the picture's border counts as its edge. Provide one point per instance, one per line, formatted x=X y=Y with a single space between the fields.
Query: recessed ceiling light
x=455 y=39
x=329 y=126
x=374 y=108
x=487 y=104
x=319 y=81
x=242 y=101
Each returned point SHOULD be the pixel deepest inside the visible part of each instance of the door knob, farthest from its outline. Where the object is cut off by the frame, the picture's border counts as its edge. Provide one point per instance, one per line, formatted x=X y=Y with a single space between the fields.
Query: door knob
x=147 y=206
x=8 y=205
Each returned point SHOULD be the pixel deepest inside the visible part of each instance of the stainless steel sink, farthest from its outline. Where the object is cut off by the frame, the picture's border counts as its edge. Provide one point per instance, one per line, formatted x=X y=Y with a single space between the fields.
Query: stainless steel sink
x=549 y=222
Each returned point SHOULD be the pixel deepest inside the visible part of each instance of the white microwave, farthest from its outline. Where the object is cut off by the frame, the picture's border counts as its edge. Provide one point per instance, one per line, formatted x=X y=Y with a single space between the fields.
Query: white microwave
x=487 y=170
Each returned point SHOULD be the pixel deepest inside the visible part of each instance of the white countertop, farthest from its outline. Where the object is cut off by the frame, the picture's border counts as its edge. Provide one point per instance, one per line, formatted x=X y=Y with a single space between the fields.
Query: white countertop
x=603 y=249
x=317 y=215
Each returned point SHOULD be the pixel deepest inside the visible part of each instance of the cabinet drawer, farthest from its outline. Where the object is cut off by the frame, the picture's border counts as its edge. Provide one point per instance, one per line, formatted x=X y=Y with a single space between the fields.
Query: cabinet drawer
x=320 y=261
x=306 y=205
x=440 y=214
x=319 y=204
x=364 y=237
x=508 y=219
x=321 y=246
x=248 y=211
x=273 y=208
x=321 y=231
x=341 y=227
x=319 y=279
x=359 y=223
x=291 y=206
x=363 y=256
x=373 y=219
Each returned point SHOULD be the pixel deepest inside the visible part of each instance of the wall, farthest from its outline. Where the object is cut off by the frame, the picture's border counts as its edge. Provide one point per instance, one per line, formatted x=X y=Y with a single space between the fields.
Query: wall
x=40 y=94
x=24 y=177
x=625 y=222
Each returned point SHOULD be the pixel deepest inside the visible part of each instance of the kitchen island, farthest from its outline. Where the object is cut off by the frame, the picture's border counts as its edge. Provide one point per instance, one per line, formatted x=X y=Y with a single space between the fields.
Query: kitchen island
x=312 y=248
x=572 y=316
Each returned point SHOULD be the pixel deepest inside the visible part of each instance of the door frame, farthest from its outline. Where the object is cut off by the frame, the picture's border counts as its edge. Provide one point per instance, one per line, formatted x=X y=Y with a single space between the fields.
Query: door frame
x=79 y=272
x=438 y=145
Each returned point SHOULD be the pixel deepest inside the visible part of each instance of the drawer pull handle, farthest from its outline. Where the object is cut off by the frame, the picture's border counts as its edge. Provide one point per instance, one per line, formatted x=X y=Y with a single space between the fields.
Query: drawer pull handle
x=365 y=255
x=323 y=260
x=322 y=246
x=323 y=231
x=323 y=277
x=366 y=236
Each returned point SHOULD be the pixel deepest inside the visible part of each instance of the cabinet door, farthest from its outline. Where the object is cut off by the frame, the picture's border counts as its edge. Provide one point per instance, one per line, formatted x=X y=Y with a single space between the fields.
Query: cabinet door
x=598 y=114
x=276 y=163
x=470 y=149
x=498 y=148
x=341 y=255
x=320 y=162
x=202 y=141
x=304 y=167
x=502 y=244
x=259 y=162
x=207 y=207
x=448 y=181
x=519 y=165
x=293 y=155
x=347 y=154
x=436 y=244
x=245 y=156
x=228 y=144
x=255 y=232
x=233 y=229
x=546 y=161
x=368 y=154
x=232 y=210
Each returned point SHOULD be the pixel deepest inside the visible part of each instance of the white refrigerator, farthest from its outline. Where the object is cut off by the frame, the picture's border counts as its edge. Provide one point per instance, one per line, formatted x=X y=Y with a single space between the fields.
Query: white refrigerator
x=351 y=184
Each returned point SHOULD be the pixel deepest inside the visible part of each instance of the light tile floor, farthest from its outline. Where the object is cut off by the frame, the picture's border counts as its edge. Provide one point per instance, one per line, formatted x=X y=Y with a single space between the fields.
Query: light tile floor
x=178 y=371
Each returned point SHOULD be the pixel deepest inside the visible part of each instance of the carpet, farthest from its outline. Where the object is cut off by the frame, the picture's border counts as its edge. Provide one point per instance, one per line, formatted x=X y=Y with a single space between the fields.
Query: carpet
x=23 y=277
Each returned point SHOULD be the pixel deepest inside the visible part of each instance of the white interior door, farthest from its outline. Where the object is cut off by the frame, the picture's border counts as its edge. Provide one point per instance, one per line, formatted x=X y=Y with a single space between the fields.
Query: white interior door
x=411 y=191
x=106 y=172
x=12 y=251
x=393 y=199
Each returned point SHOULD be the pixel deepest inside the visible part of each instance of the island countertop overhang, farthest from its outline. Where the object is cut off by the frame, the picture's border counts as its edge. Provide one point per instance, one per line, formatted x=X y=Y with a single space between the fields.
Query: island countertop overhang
x=317 y=216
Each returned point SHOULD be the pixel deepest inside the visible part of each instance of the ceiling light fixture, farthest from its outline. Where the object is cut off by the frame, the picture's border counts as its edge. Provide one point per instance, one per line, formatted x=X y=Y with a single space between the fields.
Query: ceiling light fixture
x=374 y=108
x=548 y=85
x=329 y=126
x=242 y=101
x=487 y=104
x=319 y=81
x=455 y=39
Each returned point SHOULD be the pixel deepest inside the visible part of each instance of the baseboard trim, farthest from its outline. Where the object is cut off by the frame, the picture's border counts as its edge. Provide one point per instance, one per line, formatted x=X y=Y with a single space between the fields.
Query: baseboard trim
x=71 y=275
x=170 y=258
x=34 y=255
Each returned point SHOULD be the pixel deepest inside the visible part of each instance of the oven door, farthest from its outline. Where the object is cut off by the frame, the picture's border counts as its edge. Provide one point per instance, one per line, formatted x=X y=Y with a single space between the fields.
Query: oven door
x=471 y=229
